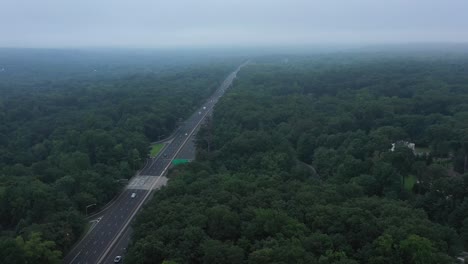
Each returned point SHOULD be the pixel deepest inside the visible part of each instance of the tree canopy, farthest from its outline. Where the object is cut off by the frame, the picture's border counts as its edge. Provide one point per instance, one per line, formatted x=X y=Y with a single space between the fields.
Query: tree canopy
x=66 y=144
x=296 y=166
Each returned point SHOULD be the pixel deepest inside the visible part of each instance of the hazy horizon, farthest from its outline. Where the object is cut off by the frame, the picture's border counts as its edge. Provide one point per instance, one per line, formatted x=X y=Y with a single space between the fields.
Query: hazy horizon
x=242 y=23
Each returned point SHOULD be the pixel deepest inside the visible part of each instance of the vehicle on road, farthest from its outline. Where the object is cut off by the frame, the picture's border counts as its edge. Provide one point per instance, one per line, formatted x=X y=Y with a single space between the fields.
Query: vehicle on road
x=156 y=166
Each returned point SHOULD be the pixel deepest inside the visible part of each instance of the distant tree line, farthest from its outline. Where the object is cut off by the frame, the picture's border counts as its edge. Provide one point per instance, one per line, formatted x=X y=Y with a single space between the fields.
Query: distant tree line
x=65 y=145
x=295 y=167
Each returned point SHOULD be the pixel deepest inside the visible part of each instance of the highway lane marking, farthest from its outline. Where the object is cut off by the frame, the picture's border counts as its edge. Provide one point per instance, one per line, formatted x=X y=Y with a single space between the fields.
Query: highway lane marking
x=135 y=210
x=76 y=257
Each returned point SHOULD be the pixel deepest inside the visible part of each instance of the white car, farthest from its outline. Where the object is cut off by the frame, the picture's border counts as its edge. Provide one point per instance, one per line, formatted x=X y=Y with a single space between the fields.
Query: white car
x=117 y=259
x=133 y=196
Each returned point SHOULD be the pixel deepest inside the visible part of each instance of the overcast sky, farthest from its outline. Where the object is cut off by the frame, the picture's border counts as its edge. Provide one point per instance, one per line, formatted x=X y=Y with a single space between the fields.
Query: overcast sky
x=161 y=23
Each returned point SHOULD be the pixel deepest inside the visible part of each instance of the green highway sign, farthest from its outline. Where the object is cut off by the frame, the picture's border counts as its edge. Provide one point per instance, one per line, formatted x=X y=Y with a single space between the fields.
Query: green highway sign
x=179 y=161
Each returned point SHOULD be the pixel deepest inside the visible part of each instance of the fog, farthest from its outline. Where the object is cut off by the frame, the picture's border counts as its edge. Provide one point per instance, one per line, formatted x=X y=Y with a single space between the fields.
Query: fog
x=229 y=23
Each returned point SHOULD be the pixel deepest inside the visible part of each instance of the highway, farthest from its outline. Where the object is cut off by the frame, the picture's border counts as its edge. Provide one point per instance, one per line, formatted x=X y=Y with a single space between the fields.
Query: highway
x=111 y=234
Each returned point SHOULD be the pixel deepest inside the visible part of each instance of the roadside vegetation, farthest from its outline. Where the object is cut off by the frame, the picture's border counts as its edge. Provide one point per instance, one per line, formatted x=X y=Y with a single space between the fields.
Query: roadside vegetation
x=155 y=149
x=65 y=144
x=296 y=167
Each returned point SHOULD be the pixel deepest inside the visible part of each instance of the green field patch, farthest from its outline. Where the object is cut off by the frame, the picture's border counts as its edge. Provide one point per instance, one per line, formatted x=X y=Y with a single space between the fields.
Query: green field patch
x=87 y=227
x=155 y=149
x=409 y=182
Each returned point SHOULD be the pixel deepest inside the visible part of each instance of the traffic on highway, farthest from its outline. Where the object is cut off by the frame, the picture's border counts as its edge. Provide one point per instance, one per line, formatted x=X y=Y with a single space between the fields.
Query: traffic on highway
x=108 y=238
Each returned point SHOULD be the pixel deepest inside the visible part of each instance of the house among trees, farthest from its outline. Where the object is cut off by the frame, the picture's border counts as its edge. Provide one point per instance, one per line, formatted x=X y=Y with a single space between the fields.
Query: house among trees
x=407 y=144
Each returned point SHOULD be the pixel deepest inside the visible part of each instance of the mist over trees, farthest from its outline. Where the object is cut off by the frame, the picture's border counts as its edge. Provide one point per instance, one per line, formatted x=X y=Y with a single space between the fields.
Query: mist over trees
x=296 y=167
x=296 y=164
x=68 y=144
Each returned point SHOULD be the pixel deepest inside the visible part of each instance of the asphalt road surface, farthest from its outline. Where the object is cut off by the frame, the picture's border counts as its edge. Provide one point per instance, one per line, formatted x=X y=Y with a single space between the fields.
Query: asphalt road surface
x=110 y=236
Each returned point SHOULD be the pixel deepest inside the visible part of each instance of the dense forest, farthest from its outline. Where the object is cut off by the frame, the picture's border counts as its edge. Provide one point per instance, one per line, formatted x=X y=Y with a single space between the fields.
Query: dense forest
x=67 y=144
x=297 y=166
x=41 y=66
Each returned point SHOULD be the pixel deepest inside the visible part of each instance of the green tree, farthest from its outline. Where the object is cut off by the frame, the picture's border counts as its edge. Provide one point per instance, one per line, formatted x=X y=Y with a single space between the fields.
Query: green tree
x=217 y=252
x=418 y=250
x=37 y=250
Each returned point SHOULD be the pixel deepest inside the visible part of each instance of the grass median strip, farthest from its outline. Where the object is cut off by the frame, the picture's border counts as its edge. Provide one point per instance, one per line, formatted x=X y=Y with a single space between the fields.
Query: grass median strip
x=155 y=149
